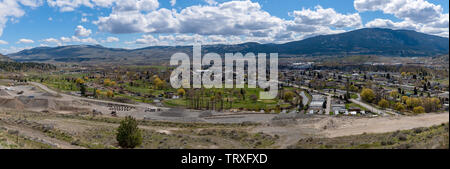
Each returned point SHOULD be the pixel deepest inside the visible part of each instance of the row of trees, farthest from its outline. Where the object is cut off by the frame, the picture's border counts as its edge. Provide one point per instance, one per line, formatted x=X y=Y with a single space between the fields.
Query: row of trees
x=414 y=104
x=26 y=66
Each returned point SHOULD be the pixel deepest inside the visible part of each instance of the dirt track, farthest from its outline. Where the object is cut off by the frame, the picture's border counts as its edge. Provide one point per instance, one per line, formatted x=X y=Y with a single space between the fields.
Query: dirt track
x=353 y=126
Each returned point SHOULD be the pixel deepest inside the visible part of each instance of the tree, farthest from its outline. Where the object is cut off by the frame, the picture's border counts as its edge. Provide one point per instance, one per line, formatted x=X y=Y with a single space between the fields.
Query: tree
x=128 y=133
x=243 y=92
x=107 y=82
x=288 y=96
x=181 y=92
x=436 y=102
x=418 y=109
x=403 y=74
x=110 y=93
x=79 y=81
x=413 y=102
x=404 y=98
x=253 y=98
x=159 y=84
x=383 y=103
x=394 y=94
x=96 y=93
x=83 y=89
x=368 y=95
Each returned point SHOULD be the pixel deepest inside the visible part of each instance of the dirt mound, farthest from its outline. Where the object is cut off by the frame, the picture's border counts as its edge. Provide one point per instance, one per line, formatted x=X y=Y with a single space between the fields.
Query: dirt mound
x=11 y=103
x=69 y=106
x=33 y=103
x=24 y=102
x=4 y=93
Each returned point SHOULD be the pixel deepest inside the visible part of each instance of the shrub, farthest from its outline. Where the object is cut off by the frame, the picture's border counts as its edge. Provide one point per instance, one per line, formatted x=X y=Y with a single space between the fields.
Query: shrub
x=181 y=92
x=419 y=109
x=383 y=103
x=399 y=106
x=128 y=133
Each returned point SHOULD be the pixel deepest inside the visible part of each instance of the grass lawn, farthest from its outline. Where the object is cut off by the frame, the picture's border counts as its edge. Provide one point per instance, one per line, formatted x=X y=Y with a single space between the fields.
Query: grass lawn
x=348 y=105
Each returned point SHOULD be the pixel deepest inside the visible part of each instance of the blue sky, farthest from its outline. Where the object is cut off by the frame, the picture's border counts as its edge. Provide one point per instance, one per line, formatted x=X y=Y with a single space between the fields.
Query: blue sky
x=139 y=23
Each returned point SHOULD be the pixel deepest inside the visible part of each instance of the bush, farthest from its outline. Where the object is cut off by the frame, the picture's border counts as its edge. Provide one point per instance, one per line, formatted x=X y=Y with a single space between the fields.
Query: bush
x=402 y=137
x=128 y=133
x=419 y=109
x=383 y=103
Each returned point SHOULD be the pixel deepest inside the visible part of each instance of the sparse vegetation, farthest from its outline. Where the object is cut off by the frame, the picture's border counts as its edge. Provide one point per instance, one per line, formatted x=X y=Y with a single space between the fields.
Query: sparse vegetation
x=418 y=138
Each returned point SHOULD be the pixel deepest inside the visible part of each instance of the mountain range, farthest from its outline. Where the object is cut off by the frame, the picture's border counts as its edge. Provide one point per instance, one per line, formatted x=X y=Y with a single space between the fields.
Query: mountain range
x=367 y=41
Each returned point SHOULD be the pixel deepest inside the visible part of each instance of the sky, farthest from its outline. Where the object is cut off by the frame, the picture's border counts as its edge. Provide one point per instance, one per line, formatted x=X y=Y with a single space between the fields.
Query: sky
x=133 y=24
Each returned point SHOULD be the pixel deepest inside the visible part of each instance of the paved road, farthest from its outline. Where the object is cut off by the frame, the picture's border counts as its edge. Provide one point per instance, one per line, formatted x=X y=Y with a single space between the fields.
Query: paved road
x=305 y=99
x=371 y=108
x=328 y=109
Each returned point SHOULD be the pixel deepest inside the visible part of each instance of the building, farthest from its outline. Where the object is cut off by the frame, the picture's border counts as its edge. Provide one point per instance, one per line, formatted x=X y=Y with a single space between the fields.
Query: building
x=317 y=103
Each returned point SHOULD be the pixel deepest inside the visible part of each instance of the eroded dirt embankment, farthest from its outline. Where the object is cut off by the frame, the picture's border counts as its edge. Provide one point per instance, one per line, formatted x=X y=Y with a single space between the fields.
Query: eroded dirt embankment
x=353 y=126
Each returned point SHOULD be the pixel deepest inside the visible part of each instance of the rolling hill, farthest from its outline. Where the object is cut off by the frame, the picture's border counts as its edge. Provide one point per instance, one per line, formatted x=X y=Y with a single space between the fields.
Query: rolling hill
x=4 y=58
x=367 y=41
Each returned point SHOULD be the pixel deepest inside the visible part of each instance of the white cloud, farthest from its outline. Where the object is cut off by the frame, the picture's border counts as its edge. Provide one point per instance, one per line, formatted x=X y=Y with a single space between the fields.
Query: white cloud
x=2 y=42
x=173 y=2
x=229 y=18
x=13 y=49
x=70 y=5
x=211 y=2
x=386 y=23
x=111 y=39
x=135 y=5
x=166 y=38
x=89 y=40
x=122 y=5
x=84 y=19
x=25 y=41
x=80 y=31
x=147 y=40
x=419 y=11
x=11 y=9
x=51 y=40
x=75 y=39
x=435 y=28
x=418 y=15
x=66 y=39
x=50 y=18
x=326 y=17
